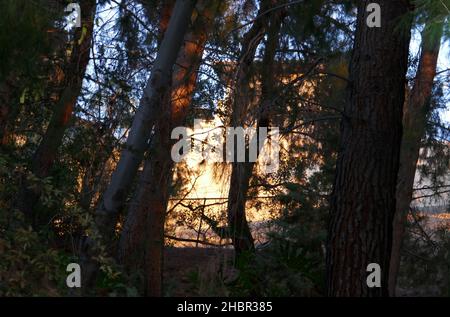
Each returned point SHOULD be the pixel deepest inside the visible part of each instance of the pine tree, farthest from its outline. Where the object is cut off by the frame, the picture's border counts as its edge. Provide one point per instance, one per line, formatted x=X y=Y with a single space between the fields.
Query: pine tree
x=363 y=198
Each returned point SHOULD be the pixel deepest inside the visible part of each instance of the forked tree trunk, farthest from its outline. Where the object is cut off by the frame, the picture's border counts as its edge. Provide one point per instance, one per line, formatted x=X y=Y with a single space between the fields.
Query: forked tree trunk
x=363 y=199
x=241 y=171
x=142 y=239
x=414 y=125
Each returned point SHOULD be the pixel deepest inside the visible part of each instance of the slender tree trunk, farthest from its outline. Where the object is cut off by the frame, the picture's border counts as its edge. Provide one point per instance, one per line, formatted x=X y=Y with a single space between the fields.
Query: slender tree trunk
x=70 y=79
x=241 y=171
x=141 y=128
x=237 y=222
x=414 y=125
x=137 y=141
x=142 y=239
x=73 y=75
x=363 y=198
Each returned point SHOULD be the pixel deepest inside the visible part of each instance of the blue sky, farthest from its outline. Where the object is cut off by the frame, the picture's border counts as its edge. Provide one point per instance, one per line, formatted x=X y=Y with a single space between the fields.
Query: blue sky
x=107 y=14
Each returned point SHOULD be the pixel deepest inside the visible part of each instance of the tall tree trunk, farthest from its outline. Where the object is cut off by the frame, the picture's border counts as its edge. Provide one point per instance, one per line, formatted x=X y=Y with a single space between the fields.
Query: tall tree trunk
x=70 y=78
x=414 y=125
x=142 y=240
x=363 y=198
x=241 y=171
x=137 y=141
x=141 y=128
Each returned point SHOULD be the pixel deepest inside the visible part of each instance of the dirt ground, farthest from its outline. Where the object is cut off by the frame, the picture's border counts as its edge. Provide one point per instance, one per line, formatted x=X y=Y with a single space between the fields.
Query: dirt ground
x=195 y=271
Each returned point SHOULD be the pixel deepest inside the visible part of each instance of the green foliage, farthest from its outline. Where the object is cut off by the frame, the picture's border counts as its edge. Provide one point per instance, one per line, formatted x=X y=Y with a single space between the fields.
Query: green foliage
x=425 y=266
x=23 y=34
x=284 y=269
x=28 y=267
x=208 y=283
x=111 y=281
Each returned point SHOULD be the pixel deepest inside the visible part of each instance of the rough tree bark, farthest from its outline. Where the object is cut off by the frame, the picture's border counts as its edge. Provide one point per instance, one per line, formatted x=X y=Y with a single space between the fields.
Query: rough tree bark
x=142 y=239
x=363 y=199
x=69 y=79
x=414 y=125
